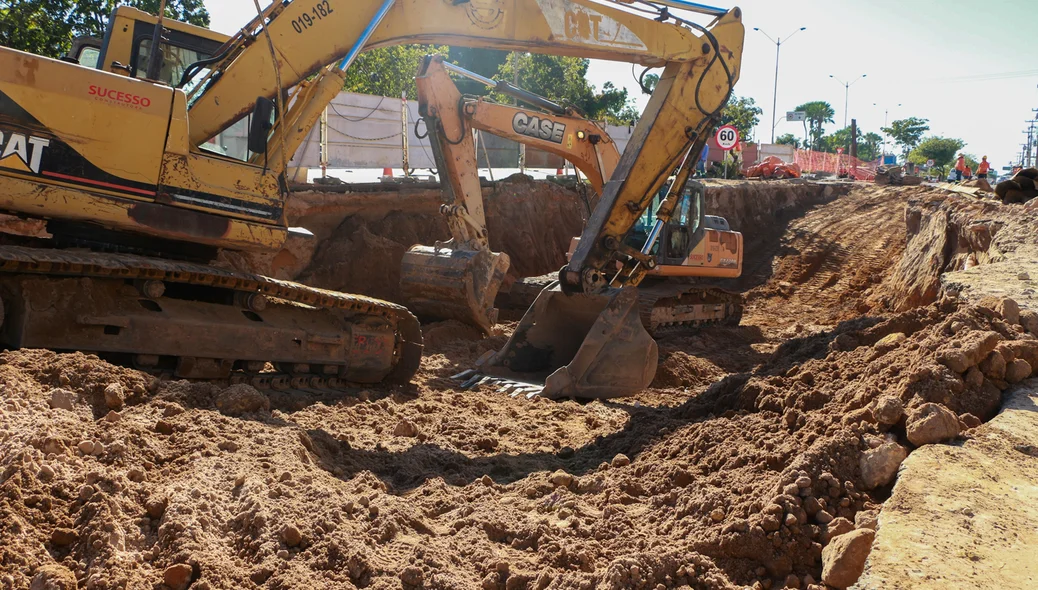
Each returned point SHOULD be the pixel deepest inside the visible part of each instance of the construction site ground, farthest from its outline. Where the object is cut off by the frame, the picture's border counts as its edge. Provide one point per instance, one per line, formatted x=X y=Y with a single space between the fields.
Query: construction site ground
x=758 y=453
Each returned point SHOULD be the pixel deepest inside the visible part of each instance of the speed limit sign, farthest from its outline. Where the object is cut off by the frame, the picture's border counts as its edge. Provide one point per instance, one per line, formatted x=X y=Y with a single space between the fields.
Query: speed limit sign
x=727 y=137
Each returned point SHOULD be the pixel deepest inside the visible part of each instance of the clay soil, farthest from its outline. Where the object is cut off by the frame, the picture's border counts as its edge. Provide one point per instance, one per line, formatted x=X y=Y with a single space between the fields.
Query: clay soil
x=727 y=472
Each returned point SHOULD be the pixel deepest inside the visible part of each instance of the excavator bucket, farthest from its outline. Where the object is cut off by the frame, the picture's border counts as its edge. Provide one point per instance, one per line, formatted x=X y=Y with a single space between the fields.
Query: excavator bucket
x=453 y=284
x=582 y=346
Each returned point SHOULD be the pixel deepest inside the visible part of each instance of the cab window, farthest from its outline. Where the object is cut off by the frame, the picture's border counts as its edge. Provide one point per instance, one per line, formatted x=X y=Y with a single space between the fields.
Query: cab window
x=88 y=56
x=175 y=61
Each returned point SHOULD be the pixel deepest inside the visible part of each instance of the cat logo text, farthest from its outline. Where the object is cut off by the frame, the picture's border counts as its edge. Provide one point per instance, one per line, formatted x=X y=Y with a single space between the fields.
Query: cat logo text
x=21 y=152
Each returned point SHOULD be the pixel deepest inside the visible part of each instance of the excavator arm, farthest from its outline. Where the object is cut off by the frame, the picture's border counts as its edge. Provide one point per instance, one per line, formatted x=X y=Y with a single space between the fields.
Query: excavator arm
x=460 y=279
x=303 y=36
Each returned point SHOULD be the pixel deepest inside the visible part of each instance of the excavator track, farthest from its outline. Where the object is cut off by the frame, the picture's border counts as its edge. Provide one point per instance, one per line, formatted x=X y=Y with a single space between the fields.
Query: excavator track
x=195 y=321
x=670 y=308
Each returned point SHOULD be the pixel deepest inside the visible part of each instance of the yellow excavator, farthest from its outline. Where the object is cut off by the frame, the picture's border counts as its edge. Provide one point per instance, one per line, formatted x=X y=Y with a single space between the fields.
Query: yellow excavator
x=145 y=165
x=443 y=281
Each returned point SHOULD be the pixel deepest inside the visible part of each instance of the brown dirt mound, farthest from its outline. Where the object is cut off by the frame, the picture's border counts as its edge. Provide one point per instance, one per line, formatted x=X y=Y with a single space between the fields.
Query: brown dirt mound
x=733 y=470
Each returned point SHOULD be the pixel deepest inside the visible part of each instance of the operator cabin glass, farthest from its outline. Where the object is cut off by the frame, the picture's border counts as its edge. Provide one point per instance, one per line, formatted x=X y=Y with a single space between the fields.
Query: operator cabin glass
x=231 y=142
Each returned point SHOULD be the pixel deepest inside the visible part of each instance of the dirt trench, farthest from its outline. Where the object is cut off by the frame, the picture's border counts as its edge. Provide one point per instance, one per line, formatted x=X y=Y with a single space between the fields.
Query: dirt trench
x=755 y=446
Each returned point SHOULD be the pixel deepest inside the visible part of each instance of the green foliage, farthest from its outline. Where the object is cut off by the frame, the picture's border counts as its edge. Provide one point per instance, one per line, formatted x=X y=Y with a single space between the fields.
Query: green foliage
x=819 y=113
x=788 y=139
x=907 y=133
x=942 y=150
x=47 y=27
x=485 y=62
x=743 y=113
x=36 y=27
x=388 y=71
x=564 y=80
x=870 y=146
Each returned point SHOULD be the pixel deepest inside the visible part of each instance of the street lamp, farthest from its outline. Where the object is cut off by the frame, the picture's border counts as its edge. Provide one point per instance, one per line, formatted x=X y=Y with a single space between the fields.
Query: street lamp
x=886 y=112
x=774 y=97
x=846 y=93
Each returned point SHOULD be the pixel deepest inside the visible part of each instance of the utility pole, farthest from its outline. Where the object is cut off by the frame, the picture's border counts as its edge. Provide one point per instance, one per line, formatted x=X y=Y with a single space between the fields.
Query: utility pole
x=774 y=96
x=886 y=113
x=846 y=94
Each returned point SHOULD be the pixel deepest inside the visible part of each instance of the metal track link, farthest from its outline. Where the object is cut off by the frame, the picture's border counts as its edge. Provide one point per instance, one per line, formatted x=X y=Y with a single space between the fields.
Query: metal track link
x=648 y=300
x=65 y=264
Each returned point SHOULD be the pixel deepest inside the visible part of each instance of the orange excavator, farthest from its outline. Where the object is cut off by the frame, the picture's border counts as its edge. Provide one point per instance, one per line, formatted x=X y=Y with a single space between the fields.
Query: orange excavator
x=440 y=282
x=460 y=279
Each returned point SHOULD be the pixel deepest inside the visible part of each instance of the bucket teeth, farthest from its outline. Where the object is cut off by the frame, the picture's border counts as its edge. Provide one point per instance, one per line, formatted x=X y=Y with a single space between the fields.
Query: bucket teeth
x=471 y=378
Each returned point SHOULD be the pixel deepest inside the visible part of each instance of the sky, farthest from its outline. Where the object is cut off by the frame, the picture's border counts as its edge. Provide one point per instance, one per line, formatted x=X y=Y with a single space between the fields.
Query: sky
x=969 y=67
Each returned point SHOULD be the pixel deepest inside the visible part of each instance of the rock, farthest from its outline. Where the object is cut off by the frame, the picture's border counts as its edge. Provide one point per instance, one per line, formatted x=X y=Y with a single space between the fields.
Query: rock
x=45 y=474
x=163 y=427
x=228 y=445
x=978 y=345
x=866 y=519
x=1009 y=310
x=823 y=517
x=968 y=421
x=879 y=465
x=771 y=522
x=890 y=341
x=888 y=410
x=156 y=508
x=1017 y=371
x=62 y=399
x=793 y=581
x=993 y=366
x=1029 y=320
x=412 y=577
x=86 y=447
x=291 y=535
x=63 y=537
x=835 y=528
x=974 y=378
x=843 y=559
x=811 y=505
x=717 y=515
x=172 y=410
x=53 y=577
x=561 y=479
x=406 y=428
x=620 y=460
x=803 y=482
x=115 y=395
x=1023 y=276
x=113 y=416
x=931 y=423
x=956 y=360
x=177 y=576
x=241 y=399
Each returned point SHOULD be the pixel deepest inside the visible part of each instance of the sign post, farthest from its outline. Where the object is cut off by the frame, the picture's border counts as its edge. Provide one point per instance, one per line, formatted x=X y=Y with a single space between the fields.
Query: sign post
x=727 y=137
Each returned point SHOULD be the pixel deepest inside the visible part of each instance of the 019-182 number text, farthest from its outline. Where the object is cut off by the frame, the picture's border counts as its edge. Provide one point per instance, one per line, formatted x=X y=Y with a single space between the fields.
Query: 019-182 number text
x=310 y=18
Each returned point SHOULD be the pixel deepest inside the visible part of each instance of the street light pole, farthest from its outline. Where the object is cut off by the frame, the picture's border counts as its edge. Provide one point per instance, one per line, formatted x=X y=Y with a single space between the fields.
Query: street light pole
x=886 y=112
x=846 y=94
x=774 y=96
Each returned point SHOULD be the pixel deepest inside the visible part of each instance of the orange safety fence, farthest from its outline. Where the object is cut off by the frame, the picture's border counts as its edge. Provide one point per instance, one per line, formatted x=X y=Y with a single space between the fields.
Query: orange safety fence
x=837 y=164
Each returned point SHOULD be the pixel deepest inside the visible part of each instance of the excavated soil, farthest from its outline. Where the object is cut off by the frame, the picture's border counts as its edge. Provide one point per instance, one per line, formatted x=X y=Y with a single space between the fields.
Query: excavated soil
x=732 y=470
x=362 y=232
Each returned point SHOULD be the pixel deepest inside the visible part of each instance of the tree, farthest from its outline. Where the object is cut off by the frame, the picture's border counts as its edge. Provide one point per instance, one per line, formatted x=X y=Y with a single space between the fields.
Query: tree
x=485 y=62
x=564 y=80
x=942 y=150
x=388 y=71
x=818 y=113
x=788 y=139
x=743 y=113
x=47 y=27
x=907 y=133
x=870 y=146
